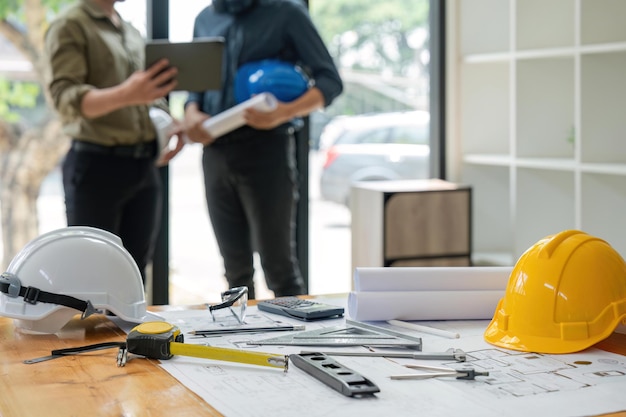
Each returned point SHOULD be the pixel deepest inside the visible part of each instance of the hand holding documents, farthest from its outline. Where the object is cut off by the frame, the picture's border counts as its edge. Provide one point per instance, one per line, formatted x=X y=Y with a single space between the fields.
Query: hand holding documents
x=231 y=119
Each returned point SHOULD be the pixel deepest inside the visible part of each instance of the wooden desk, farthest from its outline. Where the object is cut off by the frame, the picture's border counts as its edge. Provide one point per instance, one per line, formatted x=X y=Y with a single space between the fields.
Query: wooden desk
x=91 y=384
x=86 y=384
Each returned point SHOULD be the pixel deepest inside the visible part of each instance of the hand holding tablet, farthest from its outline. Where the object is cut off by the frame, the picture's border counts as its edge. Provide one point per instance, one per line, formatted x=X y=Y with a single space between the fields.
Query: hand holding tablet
x=199 y=63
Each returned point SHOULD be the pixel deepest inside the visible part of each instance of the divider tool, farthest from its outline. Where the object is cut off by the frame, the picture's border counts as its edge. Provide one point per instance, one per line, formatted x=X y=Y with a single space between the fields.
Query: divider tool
x=465 y=373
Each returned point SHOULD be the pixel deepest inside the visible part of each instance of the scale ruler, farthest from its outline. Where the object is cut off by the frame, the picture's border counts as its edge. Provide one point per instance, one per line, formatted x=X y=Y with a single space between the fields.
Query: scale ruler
x=351 y=334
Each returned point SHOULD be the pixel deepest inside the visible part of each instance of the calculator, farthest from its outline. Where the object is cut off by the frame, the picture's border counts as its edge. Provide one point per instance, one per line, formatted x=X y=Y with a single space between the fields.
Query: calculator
x=300 y=309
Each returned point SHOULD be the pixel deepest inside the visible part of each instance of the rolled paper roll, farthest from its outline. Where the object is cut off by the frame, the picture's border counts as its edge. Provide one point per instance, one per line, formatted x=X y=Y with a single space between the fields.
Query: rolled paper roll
x=231 y=119
x=427 y=293
x=431 y=278
x=423 y=305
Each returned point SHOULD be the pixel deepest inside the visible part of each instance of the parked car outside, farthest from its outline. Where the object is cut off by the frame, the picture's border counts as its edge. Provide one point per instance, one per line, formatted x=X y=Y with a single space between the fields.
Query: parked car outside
x=382 y=146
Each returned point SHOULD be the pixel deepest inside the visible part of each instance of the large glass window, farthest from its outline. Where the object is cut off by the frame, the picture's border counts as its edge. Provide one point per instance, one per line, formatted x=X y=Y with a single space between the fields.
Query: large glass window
x=382 y=51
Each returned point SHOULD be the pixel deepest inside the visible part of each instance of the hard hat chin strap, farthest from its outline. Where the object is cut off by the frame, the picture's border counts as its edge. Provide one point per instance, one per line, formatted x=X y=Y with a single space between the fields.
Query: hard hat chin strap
x=11 y=286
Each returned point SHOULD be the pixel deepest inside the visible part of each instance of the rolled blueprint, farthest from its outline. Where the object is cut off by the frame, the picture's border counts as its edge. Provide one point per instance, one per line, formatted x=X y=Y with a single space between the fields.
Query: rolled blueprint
x=423 y=305
x=164 y=125
x=428 y=293
x=431 y=278
x=231 y=119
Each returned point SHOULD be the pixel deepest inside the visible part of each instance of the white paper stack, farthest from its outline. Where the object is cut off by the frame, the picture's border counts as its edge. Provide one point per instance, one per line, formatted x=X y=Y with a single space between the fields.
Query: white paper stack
x=429 y=293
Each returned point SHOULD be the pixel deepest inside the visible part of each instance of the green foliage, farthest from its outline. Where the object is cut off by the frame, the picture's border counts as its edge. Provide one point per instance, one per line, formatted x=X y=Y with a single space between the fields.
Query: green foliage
x=335 y=17
x=16 y=95
x=15 y=8
x=379 y=29
x=8 y=7
x=21 y=94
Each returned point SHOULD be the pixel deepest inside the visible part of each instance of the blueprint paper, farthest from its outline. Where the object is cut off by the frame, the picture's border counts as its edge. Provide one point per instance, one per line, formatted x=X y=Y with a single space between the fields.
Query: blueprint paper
x=520 y=384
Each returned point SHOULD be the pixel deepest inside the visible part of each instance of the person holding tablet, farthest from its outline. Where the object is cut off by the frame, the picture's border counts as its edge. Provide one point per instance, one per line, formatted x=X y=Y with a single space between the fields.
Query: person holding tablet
x=250 y=173
x=103 y=95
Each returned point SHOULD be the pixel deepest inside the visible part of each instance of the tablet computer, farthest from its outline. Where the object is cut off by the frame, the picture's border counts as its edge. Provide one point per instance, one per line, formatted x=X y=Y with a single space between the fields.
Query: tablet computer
x=199 y=62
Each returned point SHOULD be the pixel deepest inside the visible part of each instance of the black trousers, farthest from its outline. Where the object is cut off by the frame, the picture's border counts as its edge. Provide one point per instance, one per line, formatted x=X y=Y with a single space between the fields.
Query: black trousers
x=251 y=190
x=119 y=194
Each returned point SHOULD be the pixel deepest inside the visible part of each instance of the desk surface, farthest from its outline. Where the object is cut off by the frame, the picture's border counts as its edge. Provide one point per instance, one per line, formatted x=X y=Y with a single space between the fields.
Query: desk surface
x=87 y=384
x=92 y=384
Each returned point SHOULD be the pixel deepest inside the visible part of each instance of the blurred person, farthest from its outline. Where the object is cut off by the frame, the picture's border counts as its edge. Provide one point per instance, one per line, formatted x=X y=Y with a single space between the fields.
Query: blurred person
x=250 y=174
x=103 y=94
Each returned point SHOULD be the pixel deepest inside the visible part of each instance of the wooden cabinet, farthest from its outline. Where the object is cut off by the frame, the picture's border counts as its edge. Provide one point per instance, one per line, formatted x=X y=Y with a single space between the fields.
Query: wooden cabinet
x=410 y=223
x=536 y=119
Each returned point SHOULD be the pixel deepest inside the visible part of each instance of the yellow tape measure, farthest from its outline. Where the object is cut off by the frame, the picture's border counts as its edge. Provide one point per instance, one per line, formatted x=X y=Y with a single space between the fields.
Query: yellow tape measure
x=161 y=340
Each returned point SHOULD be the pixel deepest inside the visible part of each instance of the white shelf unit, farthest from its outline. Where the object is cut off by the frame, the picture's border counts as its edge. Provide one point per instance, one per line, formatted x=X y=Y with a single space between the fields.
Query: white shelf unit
x=536 y=112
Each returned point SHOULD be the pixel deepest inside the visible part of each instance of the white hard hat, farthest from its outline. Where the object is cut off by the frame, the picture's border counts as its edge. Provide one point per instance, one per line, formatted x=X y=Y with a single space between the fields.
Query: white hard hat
x=164 y=125
x=67 y=271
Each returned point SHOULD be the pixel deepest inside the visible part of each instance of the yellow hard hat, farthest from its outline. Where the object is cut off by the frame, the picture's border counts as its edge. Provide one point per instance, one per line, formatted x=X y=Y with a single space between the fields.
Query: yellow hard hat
x=565 y=293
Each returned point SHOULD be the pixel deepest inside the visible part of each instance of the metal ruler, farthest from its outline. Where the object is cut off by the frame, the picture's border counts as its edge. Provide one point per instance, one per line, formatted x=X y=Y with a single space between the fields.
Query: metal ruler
x=351 y=334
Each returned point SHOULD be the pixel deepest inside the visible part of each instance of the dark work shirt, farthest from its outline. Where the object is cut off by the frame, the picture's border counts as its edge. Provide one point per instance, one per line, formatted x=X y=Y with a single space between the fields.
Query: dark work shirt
x=272 y=29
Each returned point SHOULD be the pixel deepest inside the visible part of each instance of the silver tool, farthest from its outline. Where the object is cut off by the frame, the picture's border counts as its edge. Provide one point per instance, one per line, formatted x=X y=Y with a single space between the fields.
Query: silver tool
x=122 y=356
x=464 y=373
x=352 y=334
x=59 y=353
x=450 y=354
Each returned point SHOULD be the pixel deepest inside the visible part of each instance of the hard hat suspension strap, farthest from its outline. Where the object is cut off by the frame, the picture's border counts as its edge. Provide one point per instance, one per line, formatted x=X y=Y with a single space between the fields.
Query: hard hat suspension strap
x=10 y=285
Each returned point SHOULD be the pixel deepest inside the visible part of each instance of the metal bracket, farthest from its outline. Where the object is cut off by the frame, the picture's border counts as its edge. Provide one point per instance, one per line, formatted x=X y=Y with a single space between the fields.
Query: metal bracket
x=334 y=374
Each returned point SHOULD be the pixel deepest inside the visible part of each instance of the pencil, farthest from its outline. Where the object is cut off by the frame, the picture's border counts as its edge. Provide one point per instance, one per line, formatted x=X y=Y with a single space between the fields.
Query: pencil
x=246 y=330
x=424 y=329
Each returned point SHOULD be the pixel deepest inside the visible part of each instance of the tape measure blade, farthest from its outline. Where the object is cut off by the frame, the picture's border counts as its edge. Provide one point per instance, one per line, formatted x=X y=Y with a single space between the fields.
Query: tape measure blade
x=228 y=355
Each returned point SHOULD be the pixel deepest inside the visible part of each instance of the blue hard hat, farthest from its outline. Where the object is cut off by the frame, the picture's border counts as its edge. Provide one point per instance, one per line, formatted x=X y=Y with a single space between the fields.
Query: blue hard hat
x=284 y=80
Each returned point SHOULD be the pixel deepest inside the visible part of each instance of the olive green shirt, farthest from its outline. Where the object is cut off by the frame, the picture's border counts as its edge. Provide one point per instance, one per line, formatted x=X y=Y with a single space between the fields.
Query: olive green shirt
x=87 y=51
